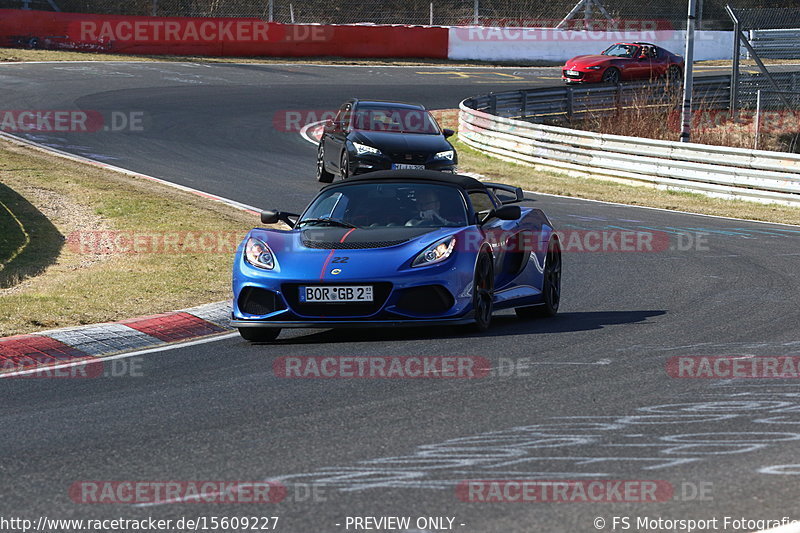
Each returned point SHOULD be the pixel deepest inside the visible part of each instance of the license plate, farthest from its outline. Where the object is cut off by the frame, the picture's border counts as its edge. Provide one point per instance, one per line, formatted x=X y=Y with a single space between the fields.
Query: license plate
x=573 y=73
x=403 y=166
x=336 y=294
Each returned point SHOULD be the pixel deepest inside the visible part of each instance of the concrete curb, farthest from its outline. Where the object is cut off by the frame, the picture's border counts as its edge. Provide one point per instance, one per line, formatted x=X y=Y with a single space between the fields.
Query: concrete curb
x=96 y=341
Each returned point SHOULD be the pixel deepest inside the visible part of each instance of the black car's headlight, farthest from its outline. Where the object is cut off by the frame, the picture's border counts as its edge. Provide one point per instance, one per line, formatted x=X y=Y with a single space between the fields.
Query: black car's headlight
x=595 y=67
x=363 y=149
x=447 y=155
x=258 y=254
x=436 y=252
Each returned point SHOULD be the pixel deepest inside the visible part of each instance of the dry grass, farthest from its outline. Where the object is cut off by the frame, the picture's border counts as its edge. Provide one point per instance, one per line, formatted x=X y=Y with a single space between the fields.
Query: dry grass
x=710 y=125
x=87 y=284
x=531 y=179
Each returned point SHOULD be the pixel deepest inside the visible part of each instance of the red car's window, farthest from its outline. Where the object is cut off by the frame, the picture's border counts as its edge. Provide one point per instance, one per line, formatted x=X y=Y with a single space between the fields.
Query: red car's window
x=622 y=50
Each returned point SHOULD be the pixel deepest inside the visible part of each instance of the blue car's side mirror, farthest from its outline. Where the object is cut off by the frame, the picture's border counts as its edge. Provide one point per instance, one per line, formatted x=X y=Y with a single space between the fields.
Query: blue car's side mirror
x=270 y=217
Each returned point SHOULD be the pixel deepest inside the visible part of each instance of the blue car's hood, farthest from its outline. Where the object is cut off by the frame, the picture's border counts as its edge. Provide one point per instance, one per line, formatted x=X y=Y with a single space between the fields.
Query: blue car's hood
x=314 y=253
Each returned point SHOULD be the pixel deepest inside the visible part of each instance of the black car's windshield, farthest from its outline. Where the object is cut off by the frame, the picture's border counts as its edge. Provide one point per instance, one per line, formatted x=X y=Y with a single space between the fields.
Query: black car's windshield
x=381 y=205
x=621 y=50
x=370 y=117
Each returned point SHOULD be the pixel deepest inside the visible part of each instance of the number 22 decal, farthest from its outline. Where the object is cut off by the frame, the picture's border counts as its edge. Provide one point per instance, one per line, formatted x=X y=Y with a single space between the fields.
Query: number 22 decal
x=340 y=260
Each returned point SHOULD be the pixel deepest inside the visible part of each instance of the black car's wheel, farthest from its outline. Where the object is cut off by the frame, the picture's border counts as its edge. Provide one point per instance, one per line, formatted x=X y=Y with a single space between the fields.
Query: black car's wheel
x=551 y=286
x=611 y=75
x=674 y=74
x=344 y=166
x=259 y=334
x=483 y=292
x=323 y=176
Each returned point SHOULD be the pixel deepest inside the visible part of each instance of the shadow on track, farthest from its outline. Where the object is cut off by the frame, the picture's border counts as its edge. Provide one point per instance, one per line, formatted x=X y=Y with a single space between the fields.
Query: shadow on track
x=502 y=325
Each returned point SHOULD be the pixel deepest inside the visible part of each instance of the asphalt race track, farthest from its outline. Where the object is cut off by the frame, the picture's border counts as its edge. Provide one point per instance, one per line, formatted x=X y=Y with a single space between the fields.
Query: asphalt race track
x=584 y=396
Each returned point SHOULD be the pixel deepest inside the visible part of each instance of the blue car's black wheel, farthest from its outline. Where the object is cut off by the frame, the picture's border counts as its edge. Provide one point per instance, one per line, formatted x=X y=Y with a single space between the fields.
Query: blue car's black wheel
x=551 y=286
x=344 y=166
x=323 y=176
x=259 y=334
x=483 y=292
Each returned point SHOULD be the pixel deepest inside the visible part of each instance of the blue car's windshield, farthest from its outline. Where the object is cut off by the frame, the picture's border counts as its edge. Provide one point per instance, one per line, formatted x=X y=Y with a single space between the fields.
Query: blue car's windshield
x=381 y=205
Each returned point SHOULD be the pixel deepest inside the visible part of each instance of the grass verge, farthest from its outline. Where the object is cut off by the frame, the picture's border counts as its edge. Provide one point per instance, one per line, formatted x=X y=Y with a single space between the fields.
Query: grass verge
x=532 y=179
x=24 y=54
x=102 y=246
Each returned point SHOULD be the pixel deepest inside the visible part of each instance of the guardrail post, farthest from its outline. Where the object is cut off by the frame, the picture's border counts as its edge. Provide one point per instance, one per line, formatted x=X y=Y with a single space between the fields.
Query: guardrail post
x=524 y=104
x=492 y=103
x=570 y=104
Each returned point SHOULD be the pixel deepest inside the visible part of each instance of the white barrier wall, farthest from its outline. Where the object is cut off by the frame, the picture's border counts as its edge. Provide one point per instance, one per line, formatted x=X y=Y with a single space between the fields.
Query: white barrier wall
x=544 y=44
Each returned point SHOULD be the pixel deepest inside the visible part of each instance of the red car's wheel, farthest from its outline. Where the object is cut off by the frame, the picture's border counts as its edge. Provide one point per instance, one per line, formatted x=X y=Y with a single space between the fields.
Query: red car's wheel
x=674 y=74
x=611 y=75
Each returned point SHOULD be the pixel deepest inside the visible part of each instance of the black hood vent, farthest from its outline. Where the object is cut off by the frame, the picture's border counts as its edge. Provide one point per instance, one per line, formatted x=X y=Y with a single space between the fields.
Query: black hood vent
x=360 y=238
x=336 y=245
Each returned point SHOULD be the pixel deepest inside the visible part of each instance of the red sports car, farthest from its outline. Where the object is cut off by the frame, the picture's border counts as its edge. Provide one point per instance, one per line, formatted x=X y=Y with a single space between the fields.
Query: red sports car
x=622 y=62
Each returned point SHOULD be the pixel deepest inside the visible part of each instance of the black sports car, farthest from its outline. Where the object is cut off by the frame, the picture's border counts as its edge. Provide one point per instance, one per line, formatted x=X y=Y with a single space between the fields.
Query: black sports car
x=373 y=135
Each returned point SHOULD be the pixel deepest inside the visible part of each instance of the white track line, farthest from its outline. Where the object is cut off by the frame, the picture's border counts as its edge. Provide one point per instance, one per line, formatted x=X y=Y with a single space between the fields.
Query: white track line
x=86 y=160
x=304 y=131
x=95 y=360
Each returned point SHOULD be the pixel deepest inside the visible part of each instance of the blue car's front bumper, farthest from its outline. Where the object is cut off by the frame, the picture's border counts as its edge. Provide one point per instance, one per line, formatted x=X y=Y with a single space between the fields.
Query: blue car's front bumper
x=434 y=295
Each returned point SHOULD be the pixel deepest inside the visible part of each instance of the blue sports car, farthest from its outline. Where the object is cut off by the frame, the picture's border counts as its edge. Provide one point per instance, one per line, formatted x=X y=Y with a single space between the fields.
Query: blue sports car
x=403 y=247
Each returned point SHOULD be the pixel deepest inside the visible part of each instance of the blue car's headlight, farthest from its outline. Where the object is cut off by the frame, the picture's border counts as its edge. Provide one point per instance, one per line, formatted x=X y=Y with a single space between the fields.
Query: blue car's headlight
x=436 y=252
x=257 y=253
x=446 y=155
x=362 y=149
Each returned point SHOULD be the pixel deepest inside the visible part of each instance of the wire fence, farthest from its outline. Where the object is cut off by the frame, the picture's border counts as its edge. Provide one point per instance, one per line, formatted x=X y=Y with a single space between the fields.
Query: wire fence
x=765 y=84
x=769 y=42
x=585 y=14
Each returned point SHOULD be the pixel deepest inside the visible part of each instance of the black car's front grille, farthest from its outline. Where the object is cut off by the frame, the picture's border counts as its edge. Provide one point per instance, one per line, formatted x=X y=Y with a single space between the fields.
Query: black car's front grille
x=380 y=292
x=576 y=76
x=255 y=301
x=425 y=300
x=409 y=159
x=335 y=245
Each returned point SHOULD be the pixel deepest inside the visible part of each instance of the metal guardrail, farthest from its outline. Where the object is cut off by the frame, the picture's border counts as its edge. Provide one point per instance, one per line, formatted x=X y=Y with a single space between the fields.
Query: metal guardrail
x=713 y=170
x=574 y=102
x=776 y=44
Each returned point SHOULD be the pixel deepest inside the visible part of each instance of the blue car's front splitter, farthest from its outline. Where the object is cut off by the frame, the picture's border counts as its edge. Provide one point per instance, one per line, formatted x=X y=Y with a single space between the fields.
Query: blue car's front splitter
x=468 y=319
